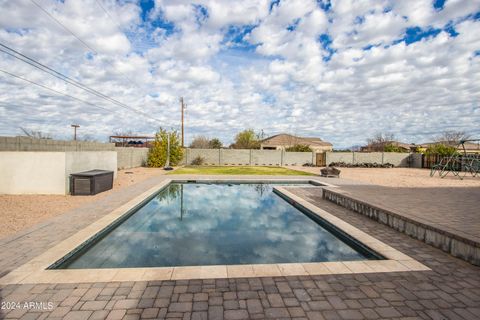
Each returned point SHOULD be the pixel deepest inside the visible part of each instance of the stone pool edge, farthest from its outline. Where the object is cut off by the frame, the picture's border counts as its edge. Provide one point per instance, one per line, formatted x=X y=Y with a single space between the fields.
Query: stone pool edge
x=35 y=271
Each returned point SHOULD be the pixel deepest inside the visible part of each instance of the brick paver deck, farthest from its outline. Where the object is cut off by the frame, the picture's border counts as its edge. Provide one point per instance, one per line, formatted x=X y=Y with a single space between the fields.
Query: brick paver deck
x=450 y=291
x=453 y=209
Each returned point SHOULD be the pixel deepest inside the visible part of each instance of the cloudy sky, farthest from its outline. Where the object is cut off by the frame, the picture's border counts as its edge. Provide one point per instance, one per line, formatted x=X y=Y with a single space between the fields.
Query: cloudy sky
x=339 y=70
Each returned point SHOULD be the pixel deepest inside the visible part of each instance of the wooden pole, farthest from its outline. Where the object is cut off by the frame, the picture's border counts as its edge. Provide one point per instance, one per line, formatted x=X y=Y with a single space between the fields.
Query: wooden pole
x=75 y=126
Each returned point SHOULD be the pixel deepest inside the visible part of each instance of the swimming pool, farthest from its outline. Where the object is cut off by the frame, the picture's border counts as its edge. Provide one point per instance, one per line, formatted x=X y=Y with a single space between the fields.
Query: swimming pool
x=193 y=224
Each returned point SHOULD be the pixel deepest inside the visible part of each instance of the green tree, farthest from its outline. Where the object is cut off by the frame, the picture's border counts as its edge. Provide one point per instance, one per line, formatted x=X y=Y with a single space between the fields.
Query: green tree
x=157 y=155
x=441 y=150
x=247 y=139
x=393 y=148
x=215 y=143
x=299 y=148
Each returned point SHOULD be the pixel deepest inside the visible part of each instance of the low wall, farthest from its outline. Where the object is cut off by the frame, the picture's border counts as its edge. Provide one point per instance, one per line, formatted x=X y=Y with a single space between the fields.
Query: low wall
x=29 y=144
x=32 y=172
x=283 y=158
x=131 y=157
x=447 y=241
x=398 y=159
x=88 y=160
x=48 y=172
x=248 y=157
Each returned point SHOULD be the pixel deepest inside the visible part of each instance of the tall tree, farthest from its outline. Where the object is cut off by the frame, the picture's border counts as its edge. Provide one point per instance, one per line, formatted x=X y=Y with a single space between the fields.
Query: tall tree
x=157 y=155
x=215 y=143
x=247 y=139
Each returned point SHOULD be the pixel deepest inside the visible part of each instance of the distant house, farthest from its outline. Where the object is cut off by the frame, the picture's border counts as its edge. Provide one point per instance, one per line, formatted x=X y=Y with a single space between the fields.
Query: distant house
x=379 y=146
x=283 y=141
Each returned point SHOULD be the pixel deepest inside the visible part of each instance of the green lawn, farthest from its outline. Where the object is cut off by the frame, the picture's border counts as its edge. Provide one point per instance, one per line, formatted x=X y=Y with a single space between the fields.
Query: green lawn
x=273 y=171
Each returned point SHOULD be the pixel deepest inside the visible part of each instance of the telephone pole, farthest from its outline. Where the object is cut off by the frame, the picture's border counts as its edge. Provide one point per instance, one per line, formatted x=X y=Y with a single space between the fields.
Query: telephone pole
x=182 y=106
x=75 y=126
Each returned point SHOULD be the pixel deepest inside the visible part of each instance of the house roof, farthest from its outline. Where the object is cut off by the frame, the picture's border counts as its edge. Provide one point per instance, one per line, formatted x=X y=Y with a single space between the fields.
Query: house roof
x=284 y=139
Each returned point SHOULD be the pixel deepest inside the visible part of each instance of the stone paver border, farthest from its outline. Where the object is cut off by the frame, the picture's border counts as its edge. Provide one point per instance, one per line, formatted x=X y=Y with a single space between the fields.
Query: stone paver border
x=35 y=271
x=449 y=242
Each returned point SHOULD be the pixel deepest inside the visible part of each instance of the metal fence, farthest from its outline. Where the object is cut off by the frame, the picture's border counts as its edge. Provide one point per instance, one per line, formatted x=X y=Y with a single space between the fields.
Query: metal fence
x=461 y=162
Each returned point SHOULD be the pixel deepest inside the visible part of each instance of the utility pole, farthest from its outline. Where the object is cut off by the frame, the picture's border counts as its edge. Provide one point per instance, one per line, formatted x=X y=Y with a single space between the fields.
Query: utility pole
x=182 y=106
x=75 y=126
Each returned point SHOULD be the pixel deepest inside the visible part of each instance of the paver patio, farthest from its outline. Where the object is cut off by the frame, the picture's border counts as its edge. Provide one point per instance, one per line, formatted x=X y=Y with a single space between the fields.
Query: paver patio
x=455 y=209
x=451 y=290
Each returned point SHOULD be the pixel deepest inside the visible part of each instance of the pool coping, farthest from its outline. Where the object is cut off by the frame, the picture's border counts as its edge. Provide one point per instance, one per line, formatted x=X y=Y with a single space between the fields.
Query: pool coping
x=35 y=271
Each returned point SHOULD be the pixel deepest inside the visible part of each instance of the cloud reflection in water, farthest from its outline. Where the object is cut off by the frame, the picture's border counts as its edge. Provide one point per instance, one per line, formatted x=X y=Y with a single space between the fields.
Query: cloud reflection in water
x=214 y=224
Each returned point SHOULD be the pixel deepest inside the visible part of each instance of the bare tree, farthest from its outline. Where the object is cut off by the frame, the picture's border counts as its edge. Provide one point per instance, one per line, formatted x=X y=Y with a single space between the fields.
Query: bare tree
x=380 y=138
x=36 y=134
x=452 y=137
x=123 y=133
x=88 y=138
x=200 y=142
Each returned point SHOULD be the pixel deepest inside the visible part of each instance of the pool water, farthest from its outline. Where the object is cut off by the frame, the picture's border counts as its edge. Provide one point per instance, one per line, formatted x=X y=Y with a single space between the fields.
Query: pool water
x=191 y=224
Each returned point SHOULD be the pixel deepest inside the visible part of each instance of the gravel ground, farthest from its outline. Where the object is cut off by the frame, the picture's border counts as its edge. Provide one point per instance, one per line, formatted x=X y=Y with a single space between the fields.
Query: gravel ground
x=18 y=212
x=399 y=177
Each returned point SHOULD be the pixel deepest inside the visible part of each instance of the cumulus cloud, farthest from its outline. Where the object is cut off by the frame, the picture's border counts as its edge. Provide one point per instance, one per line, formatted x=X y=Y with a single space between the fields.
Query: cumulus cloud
x=341 y=71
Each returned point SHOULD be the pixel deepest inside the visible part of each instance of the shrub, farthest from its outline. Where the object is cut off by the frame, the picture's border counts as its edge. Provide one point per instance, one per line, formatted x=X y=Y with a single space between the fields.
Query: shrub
x=198 y=161
x=157 y=155
x=299 y=148
x=441 y=150
x=393 y=148
x=361 y=165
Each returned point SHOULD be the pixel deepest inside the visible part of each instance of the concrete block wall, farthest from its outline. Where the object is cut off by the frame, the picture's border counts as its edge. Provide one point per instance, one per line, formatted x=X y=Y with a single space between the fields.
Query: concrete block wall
x=248 y=157
x=29 y=144
x=416 y=160
x=367 y=157
x=346 y=157
x=234 y=157
x=131 y=157
x=267 y=157
x=298 y=158
x=211 y=156
x=396 y=158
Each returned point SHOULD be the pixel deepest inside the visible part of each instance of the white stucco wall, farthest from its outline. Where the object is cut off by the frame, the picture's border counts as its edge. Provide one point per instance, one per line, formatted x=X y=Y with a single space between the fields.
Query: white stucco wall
x=88 y=160
x=23 y=172
x=32 y=172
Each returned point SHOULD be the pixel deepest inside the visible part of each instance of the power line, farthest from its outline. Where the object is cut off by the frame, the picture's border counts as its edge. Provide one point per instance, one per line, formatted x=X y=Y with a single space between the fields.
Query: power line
x=133 y=35
x=53 y=90
x=79 y=39
x=108 y=14
x=67 y=79
x=63 y=26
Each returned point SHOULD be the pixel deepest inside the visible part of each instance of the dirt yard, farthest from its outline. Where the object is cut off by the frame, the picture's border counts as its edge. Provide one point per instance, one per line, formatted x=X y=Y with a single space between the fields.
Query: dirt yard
x=400 y=177
x=22 y=211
